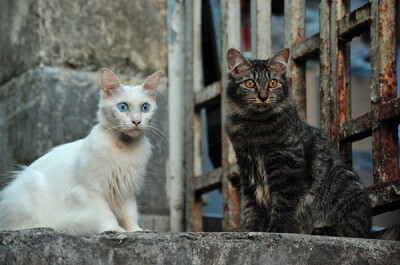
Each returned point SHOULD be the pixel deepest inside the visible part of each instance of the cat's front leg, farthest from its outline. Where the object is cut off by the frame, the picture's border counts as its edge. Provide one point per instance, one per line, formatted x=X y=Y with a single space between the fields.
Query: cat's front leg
x=282 y=215
x=255 y=218
x=105 y=220
x=128 y=216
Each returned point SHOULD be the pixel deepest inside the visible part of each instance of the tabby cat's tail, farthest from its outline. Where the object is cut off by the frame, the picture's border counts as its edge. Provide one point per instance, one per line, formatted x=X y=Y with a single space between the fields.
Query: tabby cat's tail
x=390 y=233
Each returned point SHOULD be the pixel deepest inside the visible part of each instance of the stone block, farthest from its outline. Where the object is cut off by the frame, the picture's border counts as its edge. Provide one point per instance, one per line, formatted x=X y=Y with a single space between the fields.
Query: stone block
x=126 y=36
x=48 y=106
x=43 y=108
x=42 y=246
x=158 y=223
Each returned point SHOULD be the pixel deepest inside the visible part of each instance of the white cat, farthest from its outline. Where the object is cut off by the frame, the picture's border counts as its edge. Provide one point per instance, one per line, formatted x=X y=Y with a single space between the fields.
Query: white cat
x=90 y=185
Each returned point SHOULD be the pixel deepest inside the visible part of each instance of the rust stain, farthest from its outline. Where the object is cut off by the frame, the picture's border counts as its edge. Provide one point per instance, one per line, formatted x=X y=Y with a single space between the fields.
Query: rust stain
x=385 y=152
x=389 y=82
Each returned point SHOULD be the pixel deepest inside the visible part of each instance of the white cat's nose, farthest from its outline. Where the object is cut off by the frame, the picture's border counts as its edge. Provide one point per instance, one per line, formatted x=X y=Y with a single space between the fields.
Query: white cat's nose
x=136 y=122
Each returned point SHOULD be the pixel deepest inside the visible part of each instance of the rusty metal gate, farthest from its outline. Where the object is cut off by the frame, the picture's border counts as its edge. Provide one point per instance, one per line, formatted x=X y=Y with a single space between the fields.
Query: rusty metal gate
x=330 y=46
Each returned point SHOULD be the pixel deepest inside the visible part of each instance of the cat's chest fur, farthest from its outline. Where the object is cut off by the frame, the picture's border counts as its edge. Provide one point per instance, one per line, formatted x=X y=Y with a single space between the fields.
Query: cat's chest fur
x=258 y=179
x=117 y=168
x=257 y=146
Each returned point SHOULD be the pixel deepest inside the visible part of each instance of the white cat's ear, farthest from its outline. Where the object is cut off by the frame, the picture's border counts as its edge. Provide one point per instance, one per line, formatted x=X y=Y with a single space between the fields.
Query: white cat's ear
x=109 y=82
x=237 y=63
x=151 y=83
x=280 y=60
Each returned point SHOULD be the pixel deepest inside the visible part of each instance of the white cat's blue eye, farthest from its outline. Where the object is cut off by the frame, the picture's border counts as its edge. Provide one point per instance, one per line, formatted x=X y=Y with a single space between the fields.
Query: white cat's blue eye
x=123 y=107
x=145 y=107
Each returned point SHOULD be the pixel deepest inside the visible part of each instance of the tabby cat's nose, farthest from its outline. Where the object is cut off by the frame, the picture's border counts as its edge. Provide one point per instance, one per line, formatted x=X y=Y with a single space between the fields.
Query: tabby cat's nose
x=262 y=95
x=263 y=99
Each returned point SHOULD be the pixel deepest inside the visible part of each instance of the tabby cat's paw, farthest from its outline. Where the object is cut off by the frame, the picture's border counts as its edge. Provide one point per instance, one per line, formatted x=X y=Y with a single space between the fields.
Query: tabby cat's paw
x=274 y=229
x=324 y=231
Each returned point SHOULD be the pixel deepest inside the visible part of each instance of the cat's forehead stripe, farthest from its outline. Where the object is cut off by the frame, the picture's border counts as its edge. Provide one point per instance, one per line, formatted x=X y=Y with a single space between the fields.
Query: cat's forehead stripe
x=260 y=69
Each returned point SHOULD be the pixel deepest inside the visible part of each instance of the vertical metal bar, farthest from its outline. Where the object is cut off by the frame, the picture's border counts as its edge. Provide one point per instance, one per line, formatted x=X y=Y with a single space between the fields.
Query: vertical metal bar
x=197 y=129
x=333 y=81
x=197 y=215
x=197 y=166
x=383 y=88
x=324 y=63
x=189 y=116
x=261 y=41
x=343 y=82
x=230 y=37
x=294 y=32
x=176 y=120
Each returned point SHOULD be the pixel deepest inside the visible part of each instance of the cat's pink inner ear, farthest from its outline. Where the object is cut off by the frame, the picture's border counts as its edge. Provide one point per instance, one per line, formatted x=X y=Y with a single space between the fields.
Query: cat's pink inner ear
x=109 y=82
x=280 y=60
x=237 y=63
x=151 y=83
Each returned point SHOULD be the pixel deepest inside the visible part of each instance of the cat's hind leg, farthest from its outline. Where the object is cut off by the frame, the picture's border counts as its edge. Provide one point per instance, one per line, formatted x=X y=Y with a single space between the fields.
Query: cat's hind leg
x=93 y=214
x=344 y=207
x=20 y=201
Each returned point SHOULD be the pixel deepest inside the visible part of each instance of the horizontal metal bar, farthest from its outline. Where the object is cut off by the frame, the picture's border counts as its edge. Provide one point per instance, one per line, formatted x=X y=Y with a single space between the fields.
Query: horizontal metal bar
x=209 y=95
x=306 y=49
x=355 y=23
x=361 y=127
x=212 y=180
x=385 y=196
x=356 y=129
x=208 y=181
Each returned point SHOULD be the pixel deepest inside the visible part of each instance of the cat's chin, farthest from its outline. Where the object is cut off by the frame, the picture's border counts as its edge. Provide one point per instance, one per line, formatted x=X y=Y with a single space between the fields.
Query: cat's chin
x=134 y=133
x=130 y=136
x=261 y=108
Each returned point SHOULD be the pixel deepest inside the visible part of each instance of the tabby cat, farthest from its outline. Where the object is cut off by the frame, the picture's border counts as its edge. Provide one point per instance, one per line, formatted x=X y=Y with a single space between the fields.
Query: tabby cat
x=292 y=177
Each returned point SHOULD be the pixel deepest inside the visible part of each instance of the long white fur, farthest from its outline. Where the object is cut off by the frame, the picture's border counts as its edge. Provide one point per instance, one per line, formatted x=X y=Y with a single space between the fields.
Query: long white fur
x=90 y=185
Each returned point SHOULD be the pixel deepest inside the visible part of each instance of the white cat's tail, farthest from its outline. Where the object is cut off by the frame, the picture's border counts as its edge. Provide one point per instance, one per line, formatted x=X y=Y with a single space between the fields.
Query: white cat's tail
x=17 y=210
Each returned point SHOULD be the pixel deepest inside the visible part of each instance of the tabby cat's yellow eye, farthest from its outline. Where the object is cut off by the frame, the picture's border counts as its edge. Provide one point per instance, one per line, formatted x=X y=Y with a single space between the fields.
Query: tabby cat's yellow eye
x=249 y=83
x=273 y=83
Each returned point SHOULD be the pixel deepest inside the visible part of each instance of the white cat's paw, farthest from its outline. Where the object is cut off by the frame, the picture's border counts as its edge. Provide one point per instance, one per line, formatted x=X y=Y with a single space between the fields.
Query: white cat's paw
x=134 y=229
x=113 y=230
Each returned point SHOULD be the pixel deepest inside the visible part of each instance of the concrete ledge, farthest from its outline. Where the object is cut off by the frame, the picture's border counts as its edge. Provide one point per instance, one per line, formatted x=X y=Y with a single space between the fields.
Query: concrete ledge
x=44 y=246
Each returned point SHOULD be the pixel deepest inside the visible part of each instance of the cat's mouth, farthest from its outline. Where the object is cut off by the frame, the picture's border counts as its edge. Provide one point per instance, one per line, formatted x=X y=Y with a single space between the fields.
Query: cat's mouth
x=132 y=130
x=268 y=101
x=258 y=105
x=262 y=101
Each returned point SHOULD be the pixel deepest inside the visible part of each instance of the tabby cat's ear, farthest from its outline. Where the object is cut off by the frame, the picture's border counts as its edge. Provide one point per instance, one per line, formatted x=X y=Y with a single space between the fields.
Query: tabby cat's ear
x=237 y=63
x=280 y=60
x=151 y=83
x=109 y=82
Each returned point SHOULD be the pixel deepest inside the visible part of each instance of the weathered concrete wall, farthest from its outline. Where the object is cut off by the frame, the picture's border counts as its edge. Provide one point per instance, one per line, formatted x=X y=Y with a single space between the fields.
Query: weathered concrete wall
x=51 y=53
x=125 y=36
x=45 y=107
x=47 y=247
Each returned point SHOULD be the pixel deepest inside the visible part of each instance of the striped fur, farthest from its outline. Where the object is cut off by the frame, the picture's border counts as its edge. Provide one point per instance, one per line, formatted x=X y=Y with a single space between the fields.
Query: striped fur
x=292 y=177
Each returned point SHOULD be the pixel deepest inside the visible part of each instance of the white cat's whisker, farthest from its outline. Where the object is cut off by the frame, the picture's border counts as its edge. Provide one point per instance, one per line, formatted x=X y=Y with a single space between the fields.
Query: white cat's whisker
x=158 y=133
x=90 y=185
